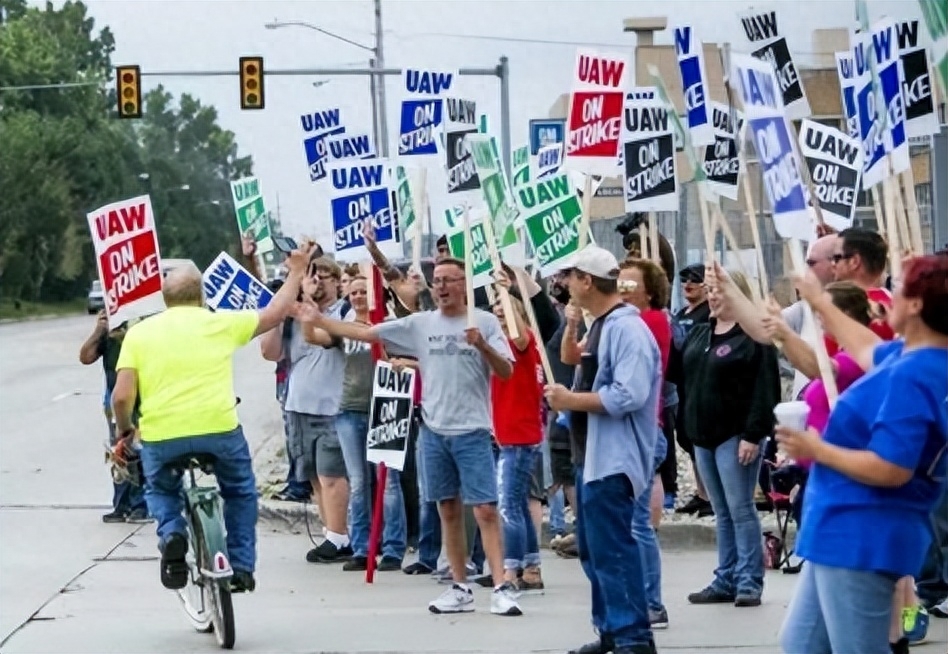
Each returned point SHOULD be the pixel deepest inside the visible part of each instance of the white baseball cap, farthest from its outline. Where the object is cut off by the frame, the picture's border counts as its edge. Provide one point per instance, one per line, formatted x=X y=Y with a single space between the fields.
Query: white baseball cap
x=595 y=261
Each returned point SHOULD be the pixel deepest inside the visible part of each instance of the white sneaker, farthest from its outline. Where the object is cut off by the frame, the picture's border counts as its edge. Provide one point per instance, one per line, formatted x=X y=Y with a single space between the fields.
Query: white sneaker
x=457 y=599
x=503 y=601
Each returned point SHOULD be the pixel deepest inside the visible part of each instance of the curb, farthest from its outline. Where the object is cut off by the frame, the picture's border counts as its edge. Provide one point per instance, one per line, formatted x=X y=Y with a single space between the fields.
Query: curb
x=673 y=536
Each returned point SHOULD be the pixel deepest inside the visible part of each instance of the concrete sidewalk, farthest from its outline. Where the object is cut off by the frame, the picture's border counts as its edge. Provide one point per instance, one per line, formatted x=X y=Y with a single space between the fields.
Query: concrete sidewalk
x=119 y=606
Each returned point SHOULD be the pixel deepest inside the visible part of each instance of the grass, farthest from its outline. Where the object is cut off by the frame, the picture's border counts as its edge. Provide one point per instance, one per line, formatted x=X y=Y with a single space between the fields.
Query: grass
x=8 y=311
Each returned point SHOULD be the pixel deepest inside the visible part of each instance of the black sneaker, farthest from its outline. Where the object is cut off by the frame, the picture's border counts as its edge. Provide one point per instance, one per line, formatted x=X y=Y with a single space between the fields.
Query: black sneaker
x=174 y=568
x=746 y=599
x=711 y=595
x=389 y=564
x=242 y=582
x=417 y=568
x=356 y=564
x=114 y=517
x=484 y=581
x=139 y=517
x=704 y=510
x=691 y=506
x=602 y=646
x=328 y=553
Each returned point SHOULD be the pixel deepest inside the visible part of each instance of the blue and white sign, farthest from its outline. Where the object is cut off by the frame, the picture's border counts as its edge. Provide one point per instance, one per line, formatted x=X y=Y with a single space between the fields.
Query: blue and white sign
x=694 y=84
x=845 y=69
x=871 y=128
x=350 y=146
x=421 y=112
x=359 y=192
x=228 y=286
x=545 y=132
x=317 y=127
x=885 y=47
x=549 y=160
x=780 y=164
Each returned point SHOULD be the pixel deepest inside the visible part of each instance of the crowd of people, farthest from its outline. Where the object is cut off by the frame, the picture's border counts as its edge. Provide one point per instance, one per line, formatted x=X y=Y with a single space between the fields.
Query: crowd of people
x=632 y=385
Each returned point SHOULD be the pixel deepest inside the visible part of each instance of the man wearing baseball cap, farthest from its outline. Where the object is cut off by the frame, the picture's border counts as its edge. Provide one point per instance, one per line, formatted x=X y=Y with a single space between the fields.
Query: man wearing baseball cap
x=613 y=407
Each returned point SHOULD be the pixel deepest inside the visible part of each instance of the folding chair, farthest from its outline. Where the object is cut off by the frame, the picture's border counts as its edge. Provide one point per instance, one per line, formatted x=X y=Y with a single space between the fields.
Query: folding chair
x=778 y=482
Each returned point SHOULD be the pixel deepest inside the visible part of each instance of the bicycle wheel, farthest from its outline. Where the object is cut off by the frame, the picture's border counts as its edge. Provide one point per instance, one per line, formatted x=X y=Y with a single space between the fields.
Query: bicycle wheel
x=223 y=614
x=194 y=596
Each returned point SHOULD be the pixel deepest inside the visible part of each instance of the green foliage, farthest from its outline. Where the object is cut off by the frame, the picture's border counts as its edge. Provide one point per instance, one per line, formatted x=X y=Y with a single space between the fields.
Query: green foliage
x=64 y=154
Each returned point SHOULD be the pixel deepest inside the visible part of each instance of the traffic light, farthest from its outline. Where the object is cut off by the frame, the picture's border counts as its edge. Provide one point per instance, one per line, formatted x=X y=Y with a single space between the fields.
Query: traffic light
x=251 y=82
x=129 y=86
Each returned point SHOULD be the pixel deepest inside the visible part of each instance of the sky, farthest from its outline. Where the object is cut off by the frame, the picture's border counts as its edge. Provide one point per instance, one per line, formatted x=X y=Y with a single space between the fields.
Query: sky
x=169 y=35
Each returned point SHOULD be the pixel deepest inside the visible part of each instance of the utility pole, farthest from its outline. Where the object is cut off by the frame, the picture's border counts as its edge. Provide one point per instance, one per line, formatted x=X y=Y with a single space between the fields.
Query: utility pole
x=380 y=83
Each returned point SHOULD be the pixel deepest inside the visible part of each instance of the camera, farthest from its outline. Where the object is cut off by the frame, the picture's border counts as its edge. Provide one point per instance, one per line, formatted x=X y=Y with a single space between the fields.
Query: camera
x=629 y=226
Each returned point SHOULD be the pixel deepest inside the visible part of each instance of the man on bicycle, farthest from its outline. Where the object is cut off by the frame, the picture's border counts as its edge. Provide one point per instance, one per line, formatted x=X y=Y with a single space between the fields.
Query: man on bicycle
x=179 y=363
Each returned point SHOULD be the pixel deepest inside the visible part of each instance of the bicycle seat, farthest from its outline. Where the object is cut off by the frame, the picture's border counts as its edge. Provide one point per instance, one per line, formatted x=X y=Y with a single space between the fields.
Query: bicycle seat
x=202 y=460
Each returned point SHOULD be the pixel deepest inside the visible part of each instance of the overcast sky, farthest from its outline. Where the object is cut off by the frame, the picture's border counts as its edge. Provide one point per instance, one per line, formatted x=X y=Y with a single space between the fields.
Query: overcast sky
x=212 y=34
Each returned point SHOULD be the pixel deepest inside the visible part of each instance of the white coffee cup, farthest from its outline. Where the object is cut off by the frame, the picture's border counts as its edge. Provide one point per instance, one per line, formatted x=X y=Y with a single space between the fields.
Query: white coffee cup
x=792 y=414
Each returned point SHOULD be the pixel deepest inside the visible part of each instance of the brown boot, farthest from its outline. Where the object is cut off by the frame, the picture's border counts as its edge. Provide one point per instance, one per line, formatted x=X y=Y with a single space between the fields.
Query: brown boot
x=531 y=581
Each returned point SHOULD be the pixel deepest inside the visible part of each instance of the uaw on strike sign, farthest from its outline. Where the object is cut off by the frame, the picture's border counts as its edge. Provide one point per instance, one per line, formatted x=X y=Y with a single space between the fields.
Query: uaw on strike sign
x=390 y=416
x=126 y=254
x=594 y=125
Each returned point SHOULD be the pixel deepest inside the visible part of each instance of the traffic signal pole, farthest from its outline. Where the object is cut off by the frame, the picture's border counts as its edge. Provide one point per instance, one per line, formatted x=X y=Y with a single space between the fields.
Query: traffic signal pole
x=501 y=71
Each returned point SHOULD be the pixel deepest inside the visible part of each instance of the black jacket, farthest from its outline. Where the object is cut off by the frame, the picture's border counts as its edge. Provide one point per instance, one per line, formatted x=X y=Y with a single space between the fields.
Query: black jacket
x=732 y=385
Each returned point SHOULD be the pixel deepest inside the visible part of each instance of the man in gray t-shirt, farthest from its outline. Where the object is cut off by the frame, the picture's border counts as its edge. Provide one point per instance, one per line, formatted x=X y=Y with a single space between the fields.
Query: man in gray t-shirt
x=457 y=461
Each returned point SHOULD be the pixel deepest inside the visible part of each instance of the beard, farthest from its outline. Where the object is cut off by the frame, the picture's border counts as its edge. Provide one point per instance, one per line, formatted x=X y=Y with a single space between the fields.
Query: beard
x=560 y=293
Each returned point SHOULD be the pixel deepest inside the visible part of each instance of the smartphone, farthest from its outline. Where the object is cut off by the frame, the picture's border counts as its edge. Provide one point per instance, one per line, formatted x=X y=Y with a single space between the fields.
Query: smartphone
x=284 y=244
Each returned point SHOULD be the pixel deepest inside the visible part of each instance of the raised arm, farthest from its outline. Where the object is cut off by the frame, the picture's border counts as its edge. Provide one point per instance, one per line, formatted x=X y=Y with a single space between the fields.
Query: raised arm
x=570 y=351
x=89 y=352
x=248 y=247
x=284 y=299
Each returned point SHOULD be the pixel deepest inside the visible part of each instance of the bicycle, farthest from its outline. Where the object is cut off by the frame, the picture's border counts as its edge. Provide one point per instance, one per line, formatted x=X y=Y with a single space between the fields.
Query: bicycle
x=207 y=596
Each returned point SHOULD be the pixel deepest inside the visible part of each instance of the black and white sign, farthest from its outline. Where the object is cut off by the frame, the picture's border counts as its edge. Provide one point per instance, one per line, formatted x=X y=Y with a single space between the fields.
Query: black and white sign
x=461 y=119
x=390 y=417
x=721 y=161
x=920 y=116
x=835 y=163
x=761 y=31
x=648 y=153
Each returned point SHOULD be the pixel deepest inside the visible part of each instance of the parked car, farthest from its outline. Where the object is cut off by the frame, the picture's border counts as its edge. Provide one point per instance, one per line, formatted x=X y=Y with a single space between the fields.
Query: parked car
x=95 y=301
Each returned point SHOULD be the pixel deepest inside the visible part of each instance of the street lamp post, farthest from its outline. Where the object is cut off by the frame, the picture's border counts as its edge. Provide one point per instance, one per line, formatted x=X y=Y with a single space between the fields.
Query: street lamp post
x=376 y=81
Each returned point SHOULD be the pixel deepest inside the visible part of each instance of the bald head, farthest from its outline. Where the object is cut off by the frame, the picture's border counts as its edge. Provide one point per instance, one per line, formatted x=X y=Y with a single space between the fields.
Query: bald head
x=819 y=258
x=183 y=286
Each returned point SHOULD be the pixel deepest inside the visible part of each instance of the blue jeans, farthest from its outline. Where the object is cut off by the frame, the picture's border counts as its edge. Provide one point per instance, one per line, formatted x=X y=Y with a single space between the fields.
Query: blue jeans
x=838 y=610
x=644 y=533
x=233 y=468
x=932 y=583
x=429 y=521
x=610 y=557
x=730 y=488
x=557 y=503
x=514 y=471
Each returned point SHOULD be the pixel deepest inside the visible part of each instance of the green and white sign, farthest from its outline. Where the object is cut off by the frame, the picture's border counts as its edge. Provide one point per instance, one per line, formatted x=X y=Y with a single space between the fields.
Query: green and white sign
x=936 y=17
x=501 y=207
x=251 y=214
x=521 y=166
x=552 y=216
x=483 y=270
x=405 y=203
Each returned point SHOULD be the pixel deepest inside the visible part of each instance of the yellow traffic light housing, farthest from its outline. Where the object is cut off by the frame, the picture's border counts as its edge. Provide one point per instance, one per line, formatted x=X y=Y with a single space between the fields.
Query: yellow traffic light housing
x=128 y=83
x=251 y=82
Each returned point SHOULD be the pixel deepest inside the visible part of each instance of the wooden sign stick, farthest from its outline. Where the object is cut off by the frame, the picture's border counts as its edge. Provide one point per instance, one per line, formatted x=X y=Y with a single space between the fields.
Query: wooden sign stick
x=907 y=180
x=654 y=245
x=892 y=226
x=532 y=317
x=505 y=304
x=643 y=241
x=752 y=218
x=584 y=220
x=421 y=217
x=732 y=245
x=469 y=268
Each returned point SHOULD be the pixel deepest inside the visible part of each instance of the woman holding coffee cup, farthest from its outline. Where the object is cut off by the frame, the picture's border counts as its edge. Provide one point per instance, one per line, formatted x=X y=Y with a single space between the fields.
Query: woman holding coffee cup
x=879 y=468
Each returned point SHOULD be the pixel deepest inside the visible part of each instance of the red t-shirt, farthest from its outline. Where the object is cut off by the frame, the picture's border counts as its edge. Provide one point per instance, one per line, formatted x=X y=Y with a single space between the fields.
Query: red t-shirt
x=879 y=327
x=516 y=402
x=657 y=322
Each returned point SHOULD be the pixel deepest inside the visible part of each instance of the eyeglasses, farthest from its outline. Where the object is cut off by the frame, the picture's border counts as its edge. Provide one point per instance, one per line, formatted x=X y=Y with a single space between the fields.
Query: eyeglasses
x=444 y=281
x=836 y=258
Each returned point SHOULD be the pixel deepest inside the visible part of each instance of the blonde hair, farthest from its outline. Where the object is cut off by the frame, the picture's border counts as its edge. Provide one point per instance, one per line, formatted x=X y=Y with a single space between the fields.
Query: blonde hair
x=183 y=286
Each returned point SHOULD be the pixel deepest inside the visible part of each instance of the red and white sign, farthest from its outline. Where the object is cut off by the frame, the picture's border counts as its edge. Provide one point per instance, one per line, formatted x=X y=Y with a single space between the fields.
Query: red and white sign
x=594 y=123
x=126 y=253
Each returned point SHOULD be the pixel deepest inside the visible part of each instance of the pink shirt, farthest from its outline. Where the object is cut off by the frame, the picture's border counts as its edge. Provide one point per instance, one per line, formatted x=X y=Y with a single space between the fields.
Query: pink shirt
x=847 y=372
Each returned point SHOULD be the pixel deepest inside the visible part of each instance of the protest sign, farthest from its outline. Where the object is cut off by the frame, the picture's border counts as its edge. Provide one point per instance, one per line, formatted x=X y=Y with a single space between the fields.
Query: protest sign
x=935 y=14
x=421 y=113
x=251 y=214
x=552 y=216
x=318 y=126
x=390 y=415
x=350 y=146
x=780 y=164
x=721 y=160
x=521 y=166
x=544 y=132
x=549 y=160
x=648 y=151
x=845 y=70
x=594 y=122
x=228 y=285
x=870 y=123
x=761 y=31
x=461 y=121
x=835 y=163
x=126 y=255
x=501 y=207
x=482 y=270
x=360 y=192
x=694 y=85
x=889 y=75
x=920 y=116
x=405 y=204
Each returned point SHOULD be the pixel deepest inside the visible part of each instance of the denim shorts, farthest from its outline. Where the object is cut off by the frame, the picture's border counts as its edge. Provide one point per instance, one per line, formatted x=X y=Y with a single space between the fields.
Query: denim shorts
x=458 y=466
x=314 y=446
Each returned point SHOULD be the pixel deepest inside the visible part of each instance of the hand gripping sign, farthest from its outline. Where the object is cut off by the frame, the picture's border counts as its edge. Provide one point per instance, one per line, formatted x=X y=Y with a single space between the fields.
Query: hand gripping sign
x=126 y=255
x=359 y=191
